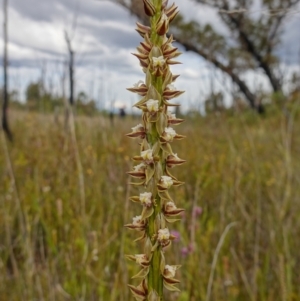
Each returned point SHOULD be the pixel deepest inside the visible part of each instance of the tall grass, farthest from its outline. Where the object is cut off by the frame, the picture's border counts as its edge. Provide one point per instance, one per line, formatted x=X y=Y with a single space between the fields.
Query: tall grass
x=240 y=169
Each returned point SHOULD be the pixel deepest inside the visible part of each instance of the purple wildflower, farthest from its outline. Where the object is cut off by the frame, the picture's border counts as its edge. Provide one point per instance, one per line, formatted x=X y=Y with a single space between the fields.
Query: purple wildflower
x=185 y=252
x=197 y=211
x=176 y=234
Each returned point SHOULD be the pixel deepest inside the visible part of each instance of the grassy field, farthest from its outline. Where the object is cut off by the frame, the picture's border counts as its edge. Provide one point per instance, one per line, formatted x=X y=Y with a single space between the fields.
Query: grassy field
x=63 y=206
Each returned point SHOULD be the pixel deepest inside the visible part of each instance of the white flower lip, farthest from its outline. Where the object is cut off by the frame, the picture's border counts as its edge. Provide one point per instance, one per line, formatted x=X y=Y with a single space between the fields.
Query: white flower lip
x=171 y=87
x=139 y=167
x=176 y=157
x=152 y=105
x=146 y=199
x=171 y=116
x=169 y=134
x=163 y=234
x=147 y=155
x=171 y=206
x=136 y=221
x=164 y=17
x=136 y=85
x=137 y=128
x=140 y=258
x=158 y=61
x=167 y=181
x=170 y=270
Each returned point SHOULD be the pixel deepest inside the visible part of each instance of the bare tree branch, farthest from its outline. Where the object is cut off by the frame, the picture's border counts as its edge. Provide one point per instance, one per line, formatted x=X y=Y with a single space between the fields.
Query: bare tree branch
x=235 y=78
x=135 y=7
x=237 y=20
x=250 y=47
x=71 y=68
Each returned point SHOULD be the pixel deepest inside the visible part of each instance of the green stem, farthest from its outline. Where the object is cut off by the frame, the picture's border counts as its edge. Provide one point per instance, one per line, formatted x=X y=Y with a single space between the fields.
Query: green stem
x=155 y=279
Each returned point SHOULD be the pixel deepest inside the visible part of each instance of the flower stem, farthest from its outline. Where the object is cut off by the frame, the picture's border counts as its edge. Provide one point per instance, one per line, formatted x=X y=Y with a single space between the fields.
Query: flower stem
x=156 y=54
x=155 y=279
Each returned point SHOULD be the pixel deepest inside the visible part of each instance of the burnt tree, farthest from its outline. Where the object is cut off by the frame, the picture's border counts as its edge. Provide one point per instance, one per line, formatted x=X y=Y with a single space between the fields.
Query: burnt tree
x=5 y=99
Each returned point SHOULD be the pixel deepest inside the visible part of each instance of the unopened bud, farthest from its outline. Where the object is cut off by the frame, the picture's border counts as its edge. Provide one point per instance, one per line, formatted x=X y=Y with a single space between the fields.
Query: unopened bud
x=149 y=8
x=162 y=25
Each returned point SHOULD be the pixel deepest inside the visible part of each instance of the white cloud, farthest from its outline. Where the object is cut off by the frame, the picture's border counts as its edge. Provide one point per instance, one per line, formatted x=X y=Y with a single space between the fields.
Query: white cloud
x=105 y=37
x=190 y=73
x=42 y=36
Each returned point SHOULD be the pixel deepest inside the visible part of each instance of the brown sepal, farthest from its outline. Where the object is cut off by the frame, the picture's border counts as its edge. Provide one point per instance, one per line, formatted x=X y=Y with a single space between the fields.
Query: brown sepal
x=172 y=12
x=174 y=77
x=169 y=94
x=171 y=62
x=164 y=4
x=149 y=8
x=175 y=121
x=136 y=135
x=141 y=90
x=137 y=174
x=142 y=29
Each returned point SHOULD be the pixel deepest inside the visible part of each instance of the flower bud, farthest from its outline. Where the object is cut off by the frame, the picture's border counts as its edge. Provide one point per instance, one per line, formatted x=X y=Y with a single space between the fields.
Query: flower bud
x=148 y=246
x=162 y=25
x=153 y=296
x=172 y=12
x=164 y=4
x=174 y=77
x=140 y=292
x=142 y=29
x=149 y=8
x=143 y=58
x=169 y=51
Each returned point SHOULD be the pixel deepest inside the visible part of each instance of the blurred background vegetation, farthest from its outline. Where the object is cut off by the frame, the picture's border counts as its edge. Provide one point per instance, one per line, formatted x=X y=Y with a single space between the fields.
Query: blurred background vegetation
x=58 y=245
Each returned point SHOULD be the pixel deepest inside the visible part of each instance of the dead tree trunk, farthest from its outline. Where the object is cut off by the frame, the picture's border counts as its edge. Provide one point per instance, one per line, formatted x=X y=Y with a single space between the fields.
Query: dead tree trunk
x=71 y=68
x=5 y=100
x=136 y=8
x=71 y=74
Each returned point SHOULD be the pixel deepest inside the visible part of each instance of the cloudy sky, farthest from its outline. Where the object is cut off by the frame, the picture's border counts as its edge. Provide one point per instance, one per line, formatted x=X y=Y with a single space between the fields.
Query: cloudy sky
x=103 y=38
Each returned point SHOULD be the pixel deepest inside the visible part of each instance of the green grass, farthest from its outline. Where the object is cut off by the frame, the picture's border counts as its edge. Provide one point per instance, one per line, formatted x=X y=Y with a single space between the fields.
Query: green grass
x=242 y=169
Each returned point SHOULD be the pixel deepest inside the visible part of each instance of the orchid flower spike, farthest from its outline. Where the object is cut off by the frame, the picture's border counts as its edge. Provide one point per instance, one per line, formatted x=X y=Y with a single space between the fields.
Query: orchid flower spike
x=156 y=55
